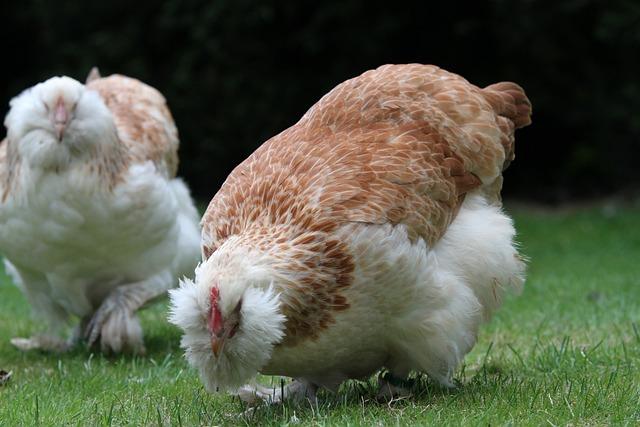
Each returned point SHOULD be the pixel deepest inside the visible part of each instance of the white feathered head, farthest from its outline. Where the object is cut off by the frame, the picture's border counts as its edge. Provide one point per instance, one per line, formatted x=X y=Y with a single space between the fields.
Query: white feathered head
x=57 y=121
x=230 y=316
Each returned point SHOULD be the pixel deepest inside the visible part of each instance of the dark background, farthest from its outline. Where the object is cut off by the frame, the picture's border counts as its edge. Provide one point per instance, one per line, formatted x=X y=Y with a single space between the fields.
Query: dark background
x=236 y=72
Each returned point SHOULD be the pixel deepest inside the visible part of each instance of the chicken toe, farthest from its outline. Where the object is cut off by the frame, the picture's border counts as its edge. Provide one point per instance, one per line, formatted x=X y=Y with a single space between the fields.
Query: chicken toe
x=41 y=342
x=116 y=326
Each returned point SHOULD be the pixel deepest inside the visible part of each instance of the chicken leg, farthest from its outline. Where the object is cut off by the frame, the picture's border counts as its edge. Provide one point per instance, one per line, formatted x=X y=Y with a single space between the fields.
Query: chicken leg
x=35 y=287
x=115 y=322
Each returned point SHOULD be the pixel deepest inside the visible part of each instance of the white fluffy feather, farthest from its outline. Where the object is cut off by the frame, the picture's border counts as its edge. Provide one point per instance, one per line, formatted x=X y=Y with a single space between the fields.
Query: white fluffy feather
x=427 y=323
x=261 y=328
x=85 y=231
x=92 y=128
x=430 y=319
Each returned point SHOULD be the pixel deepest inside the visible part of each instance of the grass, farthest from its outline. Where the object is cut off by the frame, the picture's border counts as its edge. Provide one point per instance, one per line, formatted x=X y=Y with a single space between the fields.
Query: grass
x=567 y=351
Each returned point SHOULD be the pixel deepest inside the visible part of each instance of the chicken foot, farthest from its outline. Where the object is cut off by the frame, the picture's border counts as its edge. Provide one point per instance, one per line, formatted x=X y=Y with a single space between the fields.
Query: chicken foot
x=298 y=390
x=115 y=322
x=35 y=286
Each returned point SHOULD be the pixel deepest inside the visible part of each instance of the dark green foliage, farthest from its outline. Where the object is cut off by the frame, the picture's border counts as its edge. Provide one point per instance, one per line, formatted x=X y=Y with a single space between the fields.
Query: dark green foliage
x=237 y=72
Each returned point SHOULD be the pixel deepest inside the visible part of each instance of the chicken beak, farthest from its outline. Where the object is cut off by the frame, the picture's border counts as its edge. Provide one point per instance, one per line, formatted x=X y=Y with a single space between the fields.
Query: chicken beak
x=60 y=118
x=59 y=131
x=216 y=345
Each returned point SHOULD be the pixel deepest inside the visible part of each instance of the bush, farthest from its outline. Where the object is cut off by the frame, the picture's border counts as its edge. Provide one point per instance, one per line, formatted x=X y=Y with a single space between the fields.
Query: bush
x=236 y=72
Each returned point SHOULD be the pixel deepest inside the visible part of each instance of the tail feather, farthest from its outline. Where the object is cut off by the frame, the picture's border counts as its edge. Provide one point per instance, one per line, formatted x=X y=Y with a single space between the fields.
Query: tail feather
x=509 y=100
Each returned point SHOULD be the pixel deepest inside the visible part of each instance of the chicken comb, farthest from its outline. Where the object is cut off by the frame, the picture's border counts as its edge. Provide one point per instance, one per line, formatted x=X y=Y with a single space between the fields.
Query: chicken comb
x=215 y=317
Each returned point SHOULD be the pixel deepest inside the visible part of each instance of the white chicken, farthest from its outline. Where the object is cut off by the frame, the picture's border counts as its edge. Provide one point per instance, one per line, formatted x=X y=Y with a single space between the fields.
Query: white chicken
x=93 y=222
x=369 y=234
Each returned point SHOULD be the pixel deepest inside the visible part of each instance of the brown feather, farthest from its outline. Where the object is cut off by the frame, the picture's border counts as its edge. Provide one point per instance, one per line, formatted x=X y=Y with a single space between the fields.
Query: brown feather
x=144 y=122
x=401 y=144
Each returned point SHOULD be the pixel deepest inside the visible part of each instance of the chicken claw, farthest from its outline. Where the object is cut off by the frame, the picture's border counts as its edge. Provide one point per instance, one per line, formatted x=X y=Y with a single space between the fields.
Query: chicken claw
x=41 y=342
x=115 y=325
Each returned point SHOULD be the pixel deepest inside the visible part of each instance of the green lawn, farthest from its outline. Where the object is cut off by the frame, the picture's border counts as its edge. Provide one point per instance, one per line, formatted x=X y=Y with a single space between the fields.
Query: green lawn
x=567 y=351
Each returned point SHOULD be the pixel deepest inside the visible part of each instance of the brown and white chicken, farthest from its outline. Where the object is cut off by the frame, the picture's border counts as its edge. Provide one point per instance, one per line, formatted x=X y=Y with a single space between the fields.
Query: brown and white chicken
x=93 y=221
x=369 y=234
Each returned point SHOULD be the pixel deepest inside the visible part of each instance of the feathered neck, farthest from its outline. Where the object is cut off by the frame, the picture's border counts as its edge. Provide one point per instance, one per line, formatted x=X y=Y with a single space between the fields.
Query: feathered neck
x=309 y=266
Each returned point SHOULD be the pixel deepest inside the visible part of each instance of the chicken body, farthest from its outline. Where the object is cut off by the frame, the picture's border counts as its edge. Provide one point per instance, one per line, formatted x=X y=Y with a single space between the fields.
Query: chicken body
x=411 y=307
x=367 y=235
x=94 y=223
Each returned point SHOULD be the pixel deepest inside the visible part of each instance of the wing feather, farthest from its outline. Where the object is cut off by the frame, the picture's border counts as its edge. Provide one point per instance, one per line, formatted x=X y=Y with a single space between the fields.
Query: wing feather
x=401 y=144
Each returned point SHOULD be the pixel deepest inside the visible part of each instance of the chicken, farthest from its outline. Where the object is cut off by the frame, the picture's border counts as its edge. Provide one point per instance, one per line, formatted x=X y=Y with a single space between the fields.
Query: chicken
x=369 y=234
x=93 y=221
